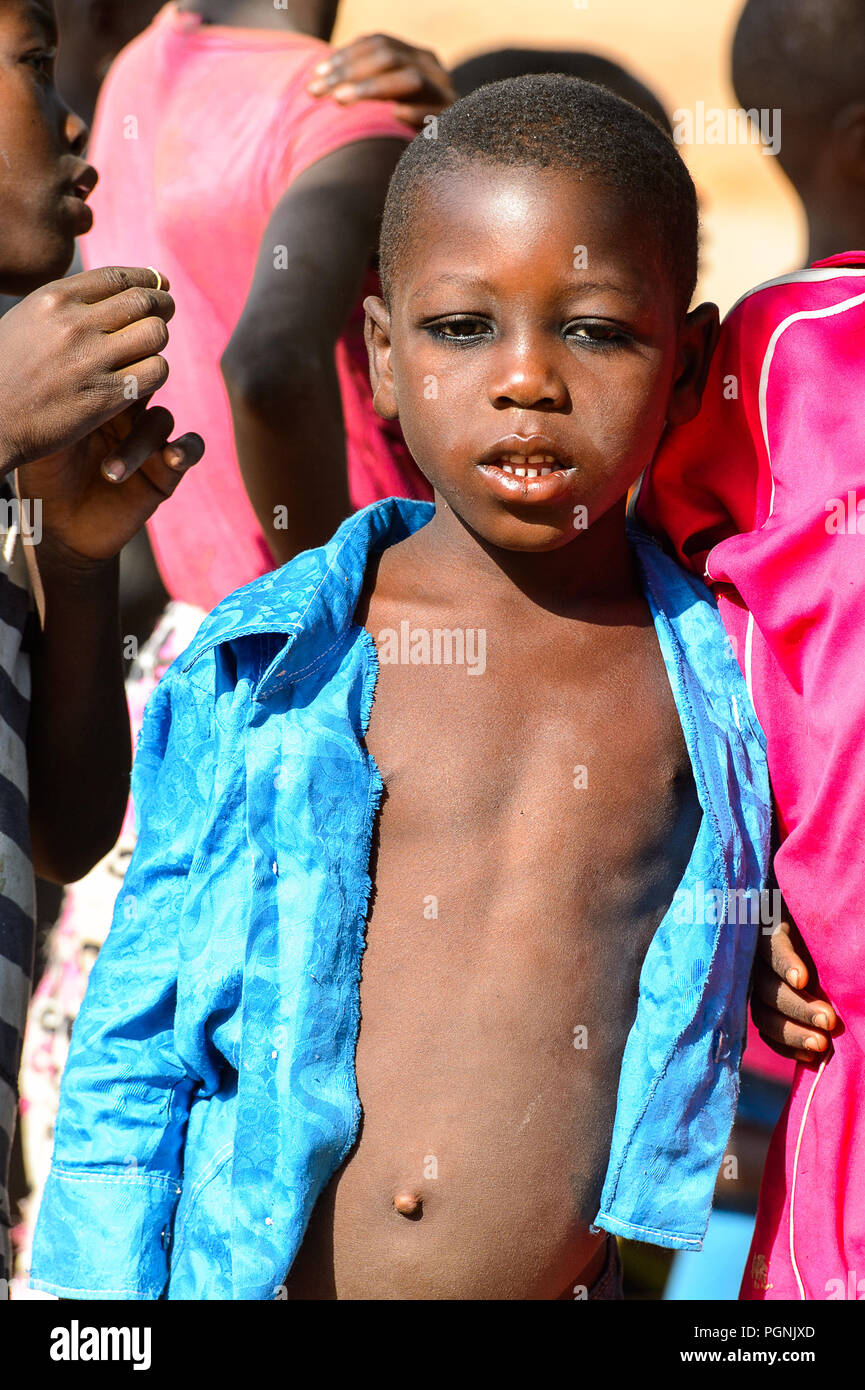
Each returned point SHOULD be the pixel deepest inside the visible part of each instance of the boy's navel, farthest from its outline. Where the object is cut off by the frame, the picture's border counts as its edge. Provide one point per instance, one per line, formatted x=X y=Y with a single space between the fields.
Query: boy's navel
x=408 y=1203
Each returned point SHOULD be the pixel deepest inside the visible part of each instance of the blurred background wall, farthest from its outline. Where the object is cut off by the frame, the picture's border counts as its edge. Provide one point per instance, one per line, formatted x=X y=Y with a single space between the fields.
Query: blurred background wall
x=752 y=226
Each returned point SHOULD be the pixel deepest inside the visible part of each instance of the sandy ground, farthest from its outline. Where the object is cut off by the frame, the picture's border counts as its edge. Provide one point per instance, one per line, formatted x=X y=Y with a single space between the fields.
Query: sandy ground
x=753 y=227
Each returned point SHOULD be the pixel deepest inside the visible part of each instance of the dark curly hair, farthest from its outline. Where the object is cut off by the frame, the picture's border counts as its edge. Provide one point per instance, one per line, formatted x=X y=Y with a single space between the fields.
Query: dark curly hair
x=551 y=121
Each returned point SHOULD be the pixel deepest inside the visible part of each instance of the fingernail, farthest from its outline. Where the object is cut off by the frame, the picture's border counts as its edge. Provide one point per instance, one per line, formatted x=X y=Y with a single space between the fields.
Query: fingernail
x=344 y=92
x=323 y=66
x=814 y=1044
x=173 y=456
x=793 y=978
x=820 y=1020
x=115 y=471
x=317 y=86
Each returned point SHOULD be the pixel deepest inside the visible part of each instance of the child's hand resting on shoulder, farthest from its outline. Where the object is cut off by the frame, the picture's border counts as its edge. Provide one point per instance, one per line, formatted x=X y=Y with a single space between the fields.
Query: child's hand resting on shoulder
x=381 y=68
x=793 y=1021
x=79 y=359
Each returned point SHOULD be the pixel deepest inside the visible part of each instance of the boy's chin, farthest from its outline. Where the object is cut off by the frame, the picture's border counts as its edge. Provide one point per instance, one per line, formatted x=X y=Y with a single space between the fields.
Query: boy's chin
x=51 y=264
x=539 y=538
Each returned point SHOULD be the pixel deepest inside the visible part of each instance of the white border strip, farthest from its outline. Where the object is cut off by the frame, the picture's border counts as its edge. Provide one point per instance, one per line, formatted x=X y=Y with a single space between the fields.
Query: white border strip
x=803 y=1296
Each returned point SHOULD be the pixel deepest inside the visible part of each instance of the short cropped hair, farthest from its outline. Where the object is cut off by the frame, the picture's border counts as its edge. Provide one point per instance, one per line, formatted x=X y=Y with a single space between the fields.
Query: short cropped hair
x=550 y=121
x=803 y=57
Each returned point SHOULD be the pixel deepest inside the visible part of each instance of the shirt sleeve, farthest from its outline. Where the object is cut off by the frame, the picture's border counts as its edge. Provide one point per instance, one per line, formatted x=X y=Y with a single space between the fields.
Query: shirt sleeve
x=309 y=129
x=708 y=479
x=105 y=1220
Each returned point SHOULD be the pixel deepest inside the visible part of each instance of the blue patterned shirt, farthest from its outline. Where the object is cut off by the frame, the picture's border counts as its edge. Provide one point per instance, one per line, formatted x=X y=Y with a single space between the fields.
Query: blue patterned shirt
x=210 y=1092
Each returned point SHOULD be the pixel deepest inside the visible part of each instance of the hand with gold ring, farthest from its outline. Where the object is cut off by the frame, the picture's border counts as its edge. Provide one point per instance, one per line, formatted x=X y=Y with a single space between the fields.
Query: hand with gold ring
x=75 y=353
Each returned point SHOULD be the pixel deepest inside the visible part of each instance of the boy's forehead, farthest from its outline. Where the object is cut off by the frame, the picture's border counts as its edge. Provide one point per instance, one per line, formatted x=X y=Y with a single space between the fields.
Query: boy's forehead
x=468 y=223
x=504 y=202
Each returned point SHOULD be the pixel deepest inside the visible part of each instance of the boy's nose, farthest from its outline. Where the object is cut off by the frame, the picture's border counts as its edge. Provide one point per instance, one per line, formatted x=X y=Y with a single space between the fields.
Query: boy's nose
x=76 y=132
x=528 y=381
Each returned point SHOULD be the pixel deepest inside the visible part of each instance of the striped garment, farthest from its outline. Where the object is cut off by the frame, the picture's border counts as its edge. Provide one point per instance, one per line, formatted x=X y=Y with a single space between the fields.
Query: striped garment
x=17 y=887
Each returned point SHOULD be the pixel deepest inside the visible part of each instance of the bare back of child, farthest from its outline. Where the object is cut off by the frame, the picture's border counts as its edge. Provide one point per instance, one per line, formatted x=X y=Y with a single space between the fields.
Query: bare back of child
x=539 y=808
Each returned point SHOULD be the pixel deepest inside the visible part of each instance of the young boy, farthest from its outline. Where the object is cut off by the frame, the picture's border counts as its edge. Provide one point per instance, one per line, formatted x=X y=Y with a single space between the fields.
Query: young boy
x=498 y=740
x=71 y=355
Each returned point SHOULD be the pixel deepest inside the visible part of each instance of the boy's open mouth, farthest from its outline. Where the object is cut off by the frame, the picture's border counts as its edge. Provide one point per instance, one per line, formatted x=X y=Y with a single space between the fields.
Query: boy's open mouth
x=533 y=466
x=525 y=456
x=527 y=469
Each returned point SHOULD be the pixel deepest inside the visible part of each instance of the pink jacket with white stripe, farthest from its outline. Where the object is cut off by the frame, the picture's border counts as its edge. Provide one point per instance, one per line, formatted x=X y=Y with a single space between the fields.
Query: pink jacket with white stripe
x=765 y=493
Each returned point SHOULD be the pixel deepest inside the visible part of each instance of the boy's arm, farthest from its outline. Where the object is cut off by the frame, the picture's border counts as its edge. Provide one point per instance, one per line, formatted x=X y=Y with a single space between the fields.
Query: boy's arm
x=78 y=747
x=72 y=356
x=279 y=366
x=106 y=1217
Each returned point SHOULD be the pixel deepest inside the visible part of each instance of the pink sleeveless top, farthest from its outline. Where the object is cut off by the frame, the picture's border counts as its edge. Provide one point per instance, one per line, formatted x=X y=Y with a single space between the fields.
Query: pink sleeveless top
x=199 y=131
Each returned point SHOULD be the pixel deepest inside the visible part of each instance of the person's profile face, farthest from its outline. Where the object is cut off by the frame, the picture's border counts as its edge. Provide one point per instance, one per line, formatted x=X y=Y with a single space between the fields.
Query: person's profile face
x=533 y=328
x=43 y=178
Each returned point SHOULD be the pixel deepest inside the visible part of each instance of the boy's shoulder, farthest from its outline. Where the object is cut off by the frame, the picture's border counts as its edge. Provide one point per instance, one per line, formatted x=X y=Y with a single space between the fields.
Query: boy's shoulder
x=668 y=581
x=308 y=603
x=677 y=595
x=700 y=658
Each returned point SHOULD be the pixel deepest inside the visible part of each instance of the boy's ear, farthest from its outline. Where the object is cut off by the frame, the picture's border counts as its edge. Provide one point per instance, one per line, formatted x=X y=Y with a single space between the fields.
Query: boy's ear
x=376 y=332
x=697 y=339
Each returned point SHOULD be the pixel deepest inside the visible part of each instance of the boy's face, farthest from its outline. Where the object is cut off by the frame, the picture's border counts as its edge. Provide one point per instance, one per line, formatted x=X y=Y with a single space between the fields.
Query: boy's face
x=43 y=179
x=533 y=329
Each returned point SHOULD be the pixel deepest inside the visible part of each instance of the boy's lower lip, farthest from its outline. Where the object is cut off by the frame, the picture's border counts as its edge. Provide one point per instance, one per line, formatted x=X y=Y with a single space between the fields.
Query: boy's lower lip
x=549 y=488
x=82 y=213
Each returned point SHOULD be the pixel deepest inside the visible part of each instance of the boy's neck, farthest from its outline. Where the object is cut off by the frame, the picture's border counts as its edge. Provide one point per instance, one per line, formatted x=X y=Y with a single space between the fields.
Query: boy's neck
x=596 y=567
x=313 y=17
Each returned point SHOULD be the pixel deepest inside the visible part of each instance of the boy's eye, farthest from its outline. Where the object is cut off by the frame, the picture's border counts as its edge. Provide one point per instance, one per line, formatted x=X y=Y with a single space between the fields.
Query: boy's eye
x=593 y=334
x=42 y=60
x=461 y=328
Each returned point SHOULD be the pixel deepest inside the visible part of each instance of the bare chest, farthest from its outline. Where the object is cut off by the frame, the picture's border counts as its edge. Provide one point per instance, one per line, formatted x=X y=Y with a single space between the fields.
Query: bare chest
x=562 y=756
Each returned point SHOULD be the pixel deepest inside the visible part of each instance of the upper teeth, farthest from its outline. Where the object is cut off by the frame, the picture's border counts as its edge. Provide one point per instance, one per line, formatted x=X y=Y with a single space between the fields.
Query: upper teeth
x=509 y=460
